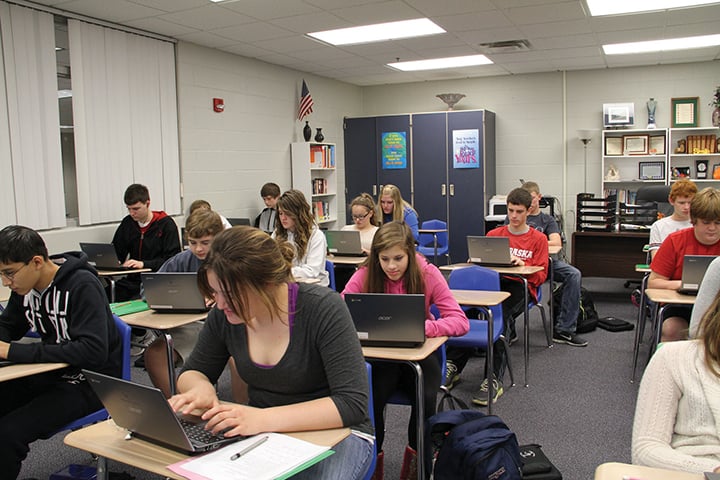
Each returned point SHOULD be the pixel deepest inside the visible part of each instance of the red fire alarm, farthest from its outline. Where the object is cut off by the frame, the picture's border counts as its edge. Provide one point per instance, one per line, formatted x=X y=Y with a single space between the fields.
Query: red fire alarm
x=218 y=104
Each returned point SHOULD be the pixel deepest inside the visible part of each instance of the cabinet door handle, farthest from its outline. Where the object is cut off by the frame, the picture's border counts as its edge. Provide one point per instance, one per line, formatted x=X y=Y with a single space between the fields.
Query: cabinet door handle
x=443 y=190
x=452 y=189
x=374 y=190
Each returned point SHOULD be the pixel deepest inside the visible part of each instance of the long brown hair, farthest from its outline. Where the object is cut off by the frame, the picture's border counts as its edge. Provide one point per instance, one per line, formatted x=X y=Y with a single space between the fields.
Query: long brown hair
x=293 y=204
x=246 y=262
x=709 y=334
x=390 y=235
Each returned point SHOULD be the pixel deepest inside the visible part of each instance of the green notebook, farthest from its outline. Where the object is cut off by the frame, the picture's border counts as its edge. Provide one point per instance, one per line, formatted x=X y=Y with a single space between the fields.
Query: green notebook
x=126 y=308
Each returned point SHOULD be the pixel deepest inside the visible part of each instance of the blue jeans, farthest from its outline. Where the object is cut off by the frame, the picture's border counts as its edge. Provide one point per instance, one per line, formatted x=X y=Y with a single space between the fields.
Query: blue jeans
x=571 y=279
x=350 y=461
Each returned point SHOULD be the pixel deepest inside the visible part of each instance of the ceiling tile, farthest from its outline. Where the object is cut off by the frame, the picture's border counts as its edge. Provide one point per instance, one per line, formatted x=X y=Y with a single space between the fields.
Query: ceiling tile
x=170 y=5
x=315 y=22
x=377 y=13
x=158 y=25
x=269 y=10
x=206 y=39
x=252 y=32
x=208 y=17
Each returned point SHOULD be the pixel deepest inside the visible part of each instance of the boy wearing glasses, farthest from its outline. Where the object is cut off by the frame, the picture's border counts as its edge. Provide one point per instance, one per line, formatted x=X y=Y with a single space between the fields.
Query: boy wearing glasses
x=61 y=299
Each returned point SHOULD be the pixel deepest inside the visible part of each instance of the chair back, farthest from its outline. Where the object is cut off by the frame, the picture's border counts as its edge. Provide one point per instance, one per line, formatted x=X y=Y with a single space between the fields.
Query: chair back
x=477 y=278
x=125 y=332
x=330 y=268
x=427 y=239
x=371 y=414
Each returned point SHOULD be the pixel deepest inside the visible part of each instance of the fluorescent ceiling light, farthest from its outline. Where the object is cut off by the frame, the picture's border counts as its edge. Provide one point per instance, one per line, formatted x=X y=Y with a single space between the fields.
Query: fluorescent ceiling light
x=379 y=33
x=438 y=63
x=615 y=7
x=686 y=43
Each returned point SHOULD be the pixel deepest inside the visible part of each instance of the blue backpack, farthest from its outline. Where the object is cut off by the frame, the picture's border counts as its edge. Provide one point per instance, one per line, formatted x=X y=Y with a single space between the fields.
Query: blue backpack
x=470 y=445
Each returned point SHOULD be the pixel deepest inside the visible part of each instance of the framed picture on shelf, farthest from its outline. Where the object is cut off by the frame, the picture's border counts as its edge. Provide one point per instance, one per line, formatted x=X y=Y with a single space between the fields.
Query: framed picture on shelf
x=656 y=145
x=716 y=171
x=613 y=146
x=652 y=170
x=635 y=144
x=618 y=114
x=684 y=112
x=680 y=172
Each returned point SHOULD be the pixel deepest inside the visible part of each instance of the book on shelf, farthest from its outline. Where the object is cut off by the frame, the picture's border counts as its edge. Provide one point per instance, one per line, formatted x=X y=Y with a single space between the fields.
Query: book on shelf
x=268 y=456
x=322 y=156
x=321 y=210
x=700 y=144
x=319 y=186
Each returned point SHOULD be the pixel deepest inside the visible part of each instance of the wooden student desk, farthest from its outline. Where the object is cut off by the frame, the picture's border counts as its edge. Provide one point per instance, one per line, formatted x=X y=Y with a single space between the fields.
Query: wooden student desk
x=522 y=274
x=4 y=293
x=18 y=370
x=621 y=471
x=352 y=261
x=412 y=357
x=162 y=322
x=107 y=440
x=484 y=299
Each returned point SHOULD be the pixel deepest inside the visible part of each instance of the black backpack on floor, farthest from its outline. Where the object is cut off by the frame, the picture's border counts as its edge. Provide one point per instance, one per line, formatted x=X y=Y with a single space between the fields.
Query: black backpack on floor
x=469 y=445
x=587 y=318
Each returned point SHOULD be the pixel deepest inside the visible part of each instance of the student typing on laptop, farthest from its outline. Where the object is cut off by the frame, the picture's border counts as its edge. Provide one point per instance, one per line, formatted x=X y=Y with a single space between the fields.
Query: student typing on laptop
x=527 y=247
x=293 y=343
x=148 y=237
x=200 y=230
x=362 y=209
x=61 y=299
x=703 y=238
x=394 y=267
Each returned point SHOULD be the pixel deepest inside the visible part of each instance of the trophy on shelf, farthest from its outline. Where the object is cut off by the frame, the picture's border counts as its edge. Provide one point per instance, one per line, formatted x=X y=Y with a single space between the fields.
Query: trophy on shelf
x=651 y=105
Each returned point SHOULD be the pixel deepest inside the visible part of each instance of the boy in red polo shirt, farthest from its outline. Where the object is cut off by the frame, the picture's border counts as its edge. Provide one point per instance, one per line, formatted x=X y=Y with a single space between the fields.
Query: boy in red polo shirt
x=703 y=238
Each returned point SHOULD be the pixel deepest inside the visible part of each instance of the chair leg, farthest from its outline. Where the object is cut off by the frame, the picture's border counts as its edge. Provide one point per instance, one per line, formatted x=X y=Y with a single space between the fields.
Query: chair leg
x=507 y=360
x=548 y=333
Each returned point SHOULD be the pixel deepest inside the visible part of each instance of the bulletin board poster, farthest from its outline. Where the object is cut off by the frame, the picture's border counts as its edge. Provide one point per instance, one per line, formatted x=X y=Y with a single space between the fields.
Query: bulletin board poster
x=394 y=150
x=466 y=146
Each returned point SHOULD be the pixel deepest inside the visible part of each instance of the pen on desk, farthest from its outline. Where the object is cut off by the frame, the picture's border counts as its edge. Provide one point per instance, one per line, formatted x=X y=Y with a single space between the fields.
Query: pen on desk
x=123 y=304
x=249 y=448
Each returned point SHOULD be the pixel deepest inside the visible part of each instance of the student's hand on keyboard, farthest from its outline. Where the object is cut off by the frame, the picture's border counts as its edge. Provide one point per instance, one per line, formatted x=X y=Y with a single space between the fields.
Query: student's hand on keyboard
x=134 y=263
x=201 y=397
x=233 y=420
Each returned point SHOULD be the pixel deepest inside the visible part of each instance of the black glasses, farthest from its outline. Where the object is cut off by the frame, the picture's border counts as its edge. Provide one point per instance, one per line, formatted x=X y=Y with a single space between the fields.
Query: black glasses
x=11 y=275
x=360 y=217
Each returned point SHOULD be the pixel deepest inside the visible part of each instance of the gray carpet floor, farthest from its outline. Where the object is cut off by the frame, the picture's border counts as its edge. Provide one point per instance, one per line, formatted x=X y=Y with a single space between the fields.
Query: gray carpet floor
x=579 y=404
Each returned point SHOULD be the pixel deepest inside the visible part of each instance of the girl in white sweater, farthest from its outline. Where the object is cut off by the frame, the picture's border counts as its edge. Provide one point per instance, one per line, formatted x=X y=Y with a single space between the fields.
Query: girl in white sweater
x=677 y=417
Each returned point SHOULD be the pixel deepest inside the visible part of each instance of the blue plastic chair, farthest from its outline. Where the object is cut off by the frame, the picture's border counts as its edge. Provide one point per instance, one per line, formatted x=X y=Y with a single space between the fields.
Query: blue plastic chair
x=102 y=414
x=371 y=413
x=330 y=268
x=427 y=240
x=480 y=278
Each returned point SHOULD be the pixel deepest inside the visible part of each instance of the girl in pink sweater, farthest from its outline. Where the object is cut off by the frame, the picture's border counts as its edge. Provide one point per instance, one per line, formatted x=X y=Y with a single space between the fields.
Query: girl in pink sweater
x=394 y=267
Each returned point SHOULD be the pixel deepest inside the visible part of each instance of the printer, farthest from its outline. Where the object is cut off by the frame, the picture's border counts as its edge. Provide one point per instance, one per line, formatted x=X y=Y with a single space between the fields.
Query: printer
x=497 y=208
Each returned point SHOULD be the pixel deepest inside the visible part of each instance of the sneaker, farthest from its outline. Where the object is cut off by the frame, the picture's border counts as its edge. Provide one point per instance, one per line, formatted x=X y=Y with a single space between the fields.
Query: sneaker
x=451 y=375
x=569 y=339
x=140 y=342
x=481 y=397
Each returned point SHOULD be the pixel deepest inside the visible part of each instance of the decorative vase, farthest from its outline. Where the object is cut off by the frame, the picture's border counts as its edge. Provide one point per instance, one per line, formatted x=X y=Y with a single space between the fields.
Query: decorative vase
x=319 y=137
x=651 y=105
x=307 y=132
x=450 y=99
x=716 y=117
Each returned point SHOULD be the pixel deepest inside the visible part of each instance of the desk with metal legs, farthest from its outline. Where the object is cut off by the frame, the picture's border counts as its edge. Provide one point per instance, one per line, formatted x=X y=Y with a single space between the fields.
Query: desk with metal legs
x=483 y=300
x=162 y=322
x=110 y=275
x=640 y=327
x=412 y=357
x=18 y=370
x=520 y=273
x=107 y=440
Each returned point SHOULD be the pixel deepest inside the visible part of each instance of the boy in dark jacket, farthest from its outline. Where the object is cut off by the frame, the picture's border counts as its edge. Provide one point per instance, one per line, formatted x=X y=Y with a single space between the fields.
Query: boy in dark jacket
x=144 y=239
x=61 y=299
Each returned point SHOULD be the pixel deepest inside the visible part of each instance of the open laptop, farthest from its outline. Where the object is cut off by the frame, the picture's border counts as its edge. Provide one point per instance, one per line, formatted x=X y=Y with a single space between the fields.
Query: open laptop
x=145 y=412
x=489 y=251
x=344 y=243
x=102 y=256
x=239 y=221
x=694 y=267
x=174 y=292
x=388 y=320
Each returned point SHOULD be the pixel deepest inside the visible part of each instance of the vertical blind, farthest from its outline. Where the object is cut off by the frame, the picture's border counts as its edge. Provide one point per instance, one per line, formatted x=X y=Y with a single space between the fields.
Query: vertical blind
x=125 y=120
x=30 y=161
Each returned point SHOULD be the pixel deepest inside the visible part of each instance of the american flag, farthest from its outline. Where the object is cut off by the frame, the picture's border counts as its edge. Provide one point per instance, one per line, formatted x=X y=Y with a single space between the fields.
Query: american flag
x=306 y=102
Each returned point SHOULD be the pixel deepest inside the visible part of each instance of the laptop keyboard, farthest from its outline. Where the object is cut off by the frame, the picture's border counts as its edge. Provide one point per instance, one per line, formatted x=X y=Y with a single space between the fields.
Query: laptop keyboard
x=197 y=433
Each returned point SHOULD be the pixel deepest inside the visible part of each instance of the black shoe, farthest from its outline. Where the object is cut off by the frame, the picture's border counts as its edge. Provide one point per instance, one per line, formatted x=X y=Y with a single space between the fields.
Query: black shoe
x=451 y=375
x=569 y=339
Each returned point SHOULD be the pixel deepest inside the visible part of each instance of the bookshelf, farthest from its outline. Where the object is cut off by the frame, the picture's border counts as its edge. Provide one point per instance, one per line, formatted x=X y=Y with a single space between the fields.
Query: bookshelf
x=699 y=156
x=314 y=174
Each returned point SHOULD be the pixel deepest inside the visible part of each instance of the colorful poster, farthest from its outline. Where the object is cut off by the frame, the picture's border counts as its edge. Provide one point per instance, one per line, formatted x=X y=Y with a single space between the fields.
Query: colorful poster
x=466 y=149
x=394 y=150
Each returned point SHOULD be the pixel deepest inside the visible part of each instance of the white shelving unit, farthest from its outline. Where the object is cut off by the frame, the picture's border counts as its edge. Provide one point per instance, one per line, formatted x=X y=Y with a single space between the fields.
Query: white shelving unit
x=615 y=153
x=314 y=174
x=705 y=140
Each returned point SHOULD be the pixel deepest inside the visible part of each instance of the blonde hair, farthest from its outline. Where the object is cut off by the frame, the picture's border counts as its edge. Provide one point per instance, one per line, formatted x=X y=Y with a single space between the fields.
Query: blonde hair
x=389 y=235
x=203 y=222
x=399 y=204
x=293 y=204
x=705 y=205
x=247 y=261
